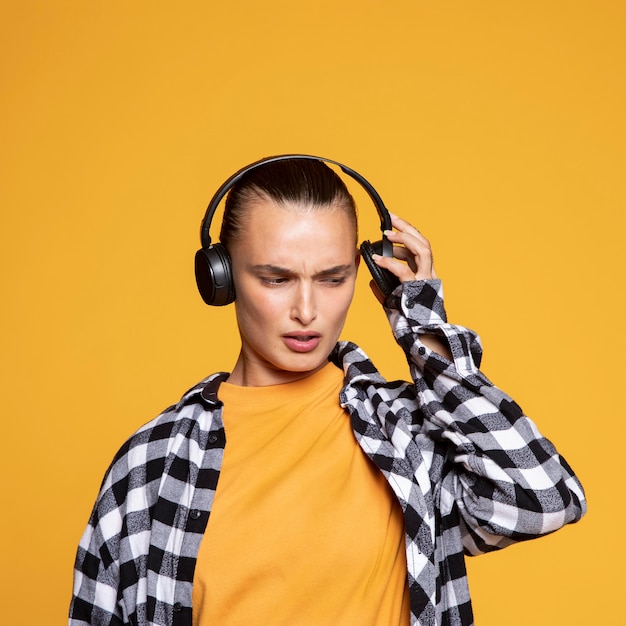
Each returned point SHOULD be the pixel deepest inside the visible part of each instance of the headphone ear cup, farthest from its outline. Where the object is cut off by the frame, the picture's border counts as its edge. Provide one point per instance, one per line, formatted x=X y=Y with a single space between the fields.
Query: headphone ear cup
x=385 y=280
x=214 y=275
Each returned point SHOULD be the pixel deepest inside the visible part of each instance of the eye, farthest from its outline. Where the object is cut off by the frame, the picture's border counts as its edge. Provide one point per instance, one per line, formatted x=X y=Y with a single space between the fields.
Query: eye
x=334 y=280
x=274 y=281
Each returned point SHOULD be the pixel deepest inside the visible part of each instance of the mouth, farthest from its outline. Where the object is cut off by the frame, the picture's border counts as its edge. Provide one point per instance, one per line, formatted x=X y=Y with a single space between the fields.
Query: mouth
x=302 y=341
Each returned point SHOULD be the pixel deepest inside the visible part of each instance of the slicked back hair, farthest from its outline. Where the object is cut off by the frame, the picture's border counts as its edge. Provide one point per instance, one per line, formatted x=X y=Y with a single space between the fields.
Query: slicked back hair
x=304 y=183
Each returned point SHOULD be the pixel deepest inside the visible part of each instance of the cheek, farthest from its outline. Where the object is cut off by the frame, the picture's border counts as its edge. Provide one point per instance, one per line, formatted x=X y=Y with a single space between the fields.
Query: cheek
x=338 y=307
x=255 y=307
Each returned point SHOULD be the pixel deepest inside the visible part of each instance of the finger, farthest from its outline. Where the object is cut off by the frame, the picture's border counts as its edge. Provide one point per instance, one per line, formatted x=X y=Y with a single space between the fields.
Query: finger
x=417 y=245
x=402 y=253
x=408 y=264
x=403 y=226
x=399 y=269
x=419 y=249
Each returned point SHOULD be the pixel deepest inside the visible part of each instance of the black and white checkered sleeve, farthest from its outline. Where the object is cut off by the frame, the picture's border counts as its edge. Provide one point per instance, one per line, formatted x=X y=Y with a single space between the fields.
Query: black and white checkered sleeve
x=95 y=599
x=110 y=560
x=508 y=482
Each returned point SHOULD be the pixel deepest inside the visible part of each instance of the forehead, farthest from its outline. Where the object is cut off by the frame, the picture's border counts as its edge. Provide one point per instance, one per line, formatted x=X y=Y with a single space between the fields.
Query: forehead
x=292 y=218
x=295 y=230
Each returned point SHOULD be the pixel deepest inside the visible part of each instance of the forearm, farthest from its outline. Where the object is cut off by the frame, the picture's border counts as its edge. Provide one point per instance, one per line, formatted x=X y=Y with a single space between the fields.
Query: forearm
x=510 y=482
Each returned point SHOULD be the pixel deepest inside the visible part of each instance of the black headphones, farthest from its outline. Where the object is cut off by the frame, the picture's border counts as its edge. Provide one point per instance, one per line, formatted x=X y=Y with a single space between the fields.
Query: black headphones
x=213 y=264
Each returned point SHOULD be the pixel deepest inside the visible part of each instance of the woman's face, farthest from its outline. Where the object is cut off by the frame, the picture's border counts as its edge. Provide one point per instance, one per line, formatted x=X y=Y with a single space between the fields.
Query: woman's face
x=294 y=272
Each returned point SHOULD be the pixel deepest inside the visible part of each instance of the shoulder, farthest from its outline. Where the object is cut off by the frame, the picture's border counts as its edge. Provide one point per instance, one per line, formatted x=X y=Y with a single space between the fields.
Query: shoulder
x=362 y=379
x=188 y=419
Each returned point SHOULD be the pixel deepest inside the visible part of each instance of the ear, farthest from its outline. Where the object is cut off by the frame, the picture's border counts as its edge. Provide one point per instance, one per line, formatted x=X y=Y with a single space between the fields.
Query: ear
x=357 y=258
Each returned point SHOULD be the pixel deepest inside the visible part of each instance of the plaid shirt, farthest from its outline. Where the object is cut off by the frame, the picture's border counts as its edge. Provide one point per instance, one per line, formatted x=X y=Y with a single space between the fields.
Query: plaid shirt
x=470 y=470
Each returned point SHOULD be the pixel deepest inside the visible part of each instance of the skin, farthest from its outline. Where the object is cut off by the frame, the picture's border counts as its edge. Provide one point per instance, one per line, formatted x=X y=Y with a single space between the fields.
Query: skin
x=414 y=249
x=294 y=270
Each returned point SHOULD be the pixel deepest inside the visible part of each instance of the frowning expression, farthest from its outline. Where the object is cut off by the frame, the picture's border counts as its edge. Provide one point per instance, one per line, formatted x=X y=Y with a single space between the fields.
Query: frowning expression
x=294 y=270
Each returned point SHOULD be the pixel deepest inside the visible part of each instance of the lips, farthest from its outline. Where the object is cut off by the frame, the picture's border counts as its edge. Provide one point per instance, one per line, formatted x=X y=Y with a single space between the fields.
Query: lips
x=302 y=341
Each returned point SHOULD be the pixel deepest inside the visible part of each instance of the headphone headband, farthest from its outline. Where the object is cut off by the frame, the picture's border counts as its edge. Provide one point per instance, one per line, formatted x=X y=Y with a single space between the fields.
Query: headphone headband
x=213 y=265
x=383 y=213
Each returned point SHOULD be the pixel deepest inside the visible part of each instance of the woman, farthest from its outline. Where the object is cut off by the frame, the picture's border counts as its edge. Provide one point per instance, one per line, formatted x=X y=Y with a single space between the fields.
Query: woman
x=334 y=497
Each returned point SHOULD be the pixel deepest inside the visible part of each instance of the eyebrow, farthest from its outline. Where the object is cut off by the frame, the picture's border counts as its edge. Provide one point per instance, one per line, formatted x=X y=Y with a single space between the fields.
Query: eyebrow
x=276 y=269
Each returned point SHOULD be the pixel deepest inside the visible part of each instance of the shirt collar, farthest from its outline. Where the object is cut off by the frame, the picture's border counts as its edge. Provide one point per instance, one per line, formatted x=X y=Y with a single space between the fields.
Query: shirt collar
x=357 y=367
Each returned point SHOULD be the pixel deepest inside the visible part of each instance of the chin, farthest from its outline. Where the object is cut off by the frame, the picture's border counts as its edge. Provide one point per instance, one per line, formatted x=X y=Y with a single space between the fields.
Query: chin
x=301 y=366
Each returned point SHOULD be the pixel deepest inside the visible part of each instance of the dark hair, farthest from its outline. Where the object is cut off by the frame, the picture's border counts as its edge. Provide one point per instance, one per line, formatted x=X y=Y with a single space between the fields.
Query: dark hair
x=306 y=182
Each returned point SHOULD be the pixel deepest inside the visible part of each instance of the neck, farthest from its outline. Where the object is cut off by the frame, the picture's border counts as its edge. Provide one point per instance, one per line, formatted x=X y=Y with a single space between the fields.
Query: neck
x=248 y=374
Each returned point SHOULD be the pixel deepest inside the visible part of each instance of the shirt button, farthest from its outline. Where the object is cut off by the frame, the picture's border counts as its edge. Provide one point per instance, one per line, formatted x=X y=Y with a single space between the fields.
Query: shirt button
x=212 y=438
x=422 y=350
x=178 y=607
x=195 y=514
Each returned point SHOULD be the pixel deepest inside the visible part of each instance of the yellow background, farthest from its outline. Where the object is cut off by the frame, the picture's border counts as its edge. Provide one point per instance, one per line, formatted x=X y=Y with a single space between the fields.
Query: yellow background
x=497 y=127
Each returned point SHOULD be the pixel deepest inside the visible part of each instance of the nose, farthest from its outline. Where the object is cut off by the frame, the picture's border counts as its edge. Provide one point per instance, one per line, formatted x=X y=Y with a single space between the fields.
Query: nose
x=303 y=308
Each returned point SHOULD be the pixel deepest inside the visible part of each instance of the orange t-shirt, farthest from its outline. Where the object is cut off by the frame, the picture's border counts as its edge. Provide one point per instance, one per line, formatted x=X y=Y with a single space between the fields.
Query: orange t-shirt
x=304 y=529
